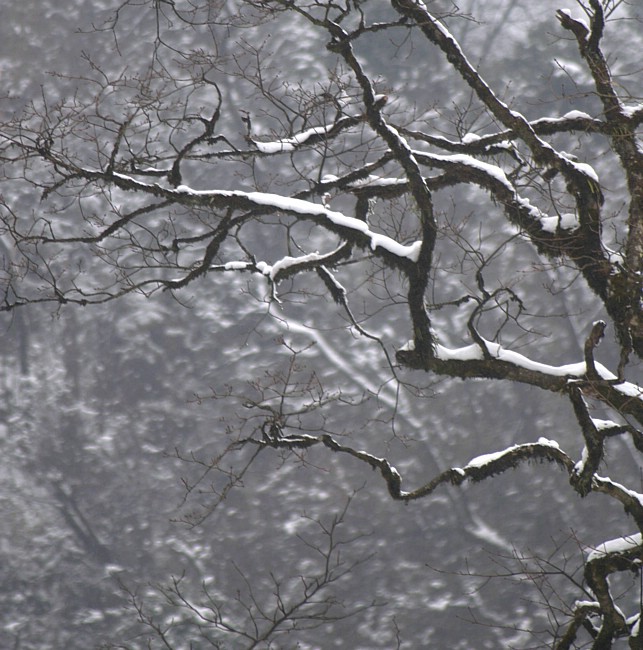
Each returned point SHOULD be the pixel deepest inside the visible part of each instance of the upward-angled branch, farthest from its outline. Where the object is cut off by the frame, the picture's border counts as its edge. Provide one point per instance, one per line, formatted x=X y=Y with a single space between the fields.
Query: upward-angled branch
x=626 y=283
x=621 y=290
x=416 y=238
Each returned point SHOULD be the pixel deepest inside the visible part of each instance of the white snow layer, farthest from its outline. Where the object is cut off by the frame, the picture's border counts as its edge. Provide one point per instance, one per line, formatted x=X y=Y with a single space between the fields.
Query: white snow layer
x=585 y=169
x=463 y=159
x=576 y=115
x=473 y=352
x=630 y=111
x=469 y=138
x=290 y=144
x=567 y=221
x=637 y=496
x=568 y=13
x=618 y=545
x=603 y=424
x=373 y=180
x=485 y=459
x=287 y=261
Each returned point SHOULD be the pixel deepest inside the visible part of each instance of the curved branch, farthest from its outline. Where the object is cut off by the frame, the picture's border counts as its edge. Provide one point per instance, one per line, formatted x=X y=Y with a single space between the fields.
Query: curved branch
x=476 y=470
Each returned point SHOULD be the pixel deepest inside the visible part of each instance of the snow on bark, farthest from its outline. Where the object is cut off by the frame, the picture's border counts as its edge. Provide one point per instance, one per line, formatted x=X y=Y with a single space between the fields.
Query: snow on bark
x=286 y=204
x=616 y=546
x=571 y=370
x=290 y=144
x=487 y=459
x=566 y=221
x=287 y=262
x=493 y=171
x=299 y=206
x=576 y=115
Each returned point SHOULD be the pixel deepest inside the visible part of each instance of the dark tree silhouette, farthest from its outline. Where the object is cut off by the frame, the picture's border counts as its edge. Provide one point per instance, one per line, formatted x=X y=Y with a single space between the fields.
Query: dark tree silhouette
x=452 y=233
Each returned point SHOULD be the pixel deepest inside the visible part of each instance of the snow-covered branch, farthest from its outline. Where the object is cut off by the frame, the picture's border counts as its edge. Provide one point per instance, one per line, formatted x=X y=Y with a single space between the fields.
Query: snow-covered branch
x=500 y=363
x=476 y=470
x=310 y=137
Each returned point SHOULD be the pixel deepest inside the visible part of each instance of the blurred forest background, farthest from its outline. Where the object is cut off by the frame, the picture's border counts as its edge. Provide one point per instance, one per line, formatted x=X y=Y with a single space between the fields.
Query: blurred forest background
x=103 y=408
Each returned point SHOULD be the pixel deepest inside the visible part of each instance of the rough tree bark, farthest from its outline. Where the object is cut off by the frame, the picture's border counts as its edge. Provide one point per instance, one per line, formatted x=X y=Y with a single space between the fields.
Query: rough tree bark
x=116 y=176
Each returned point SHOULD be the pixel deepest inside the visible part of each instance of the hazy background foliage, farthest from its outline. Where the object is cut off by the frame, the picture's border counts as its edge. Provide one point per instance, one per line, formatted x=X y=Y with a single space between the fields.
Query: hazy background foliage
x=95 y=403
